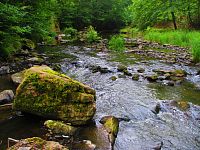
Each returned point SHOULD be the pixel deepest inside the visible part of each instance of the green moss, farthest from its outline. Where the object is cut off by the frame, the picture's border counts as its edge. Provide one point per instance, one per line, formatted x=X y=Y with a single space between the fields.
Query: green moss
x=136 y=77
x=111 y=124
x=58 y=127
x=45 y=92
x=179 y=73
x=36 y=141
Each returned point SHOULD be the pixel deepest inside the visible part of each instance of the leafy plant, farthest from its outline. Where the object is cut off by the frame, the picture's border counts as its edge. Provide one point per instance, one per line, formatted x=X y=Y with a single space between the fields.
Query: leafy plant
x=116 y=43
x=70 y=33
x=92 y=35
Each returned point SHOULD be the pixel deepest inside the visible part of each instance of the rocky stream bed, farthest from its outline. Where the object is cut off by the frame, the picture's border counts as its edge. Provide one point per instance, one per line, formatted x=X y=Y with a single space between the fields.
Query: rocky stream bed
x=154 y=94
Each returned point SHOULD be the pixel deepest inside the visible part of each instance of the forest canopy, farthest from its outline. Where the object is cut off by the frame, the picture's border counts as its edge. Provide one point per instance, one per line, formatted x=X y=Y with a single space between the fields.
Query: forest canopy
x=40 y=20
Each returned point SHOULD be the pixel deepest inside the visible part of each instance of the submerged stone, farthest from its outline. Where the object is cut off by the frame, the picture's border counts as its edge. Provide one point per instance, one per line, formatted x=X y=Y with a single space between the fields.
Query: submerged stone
x=50 y=94
x=36 y=143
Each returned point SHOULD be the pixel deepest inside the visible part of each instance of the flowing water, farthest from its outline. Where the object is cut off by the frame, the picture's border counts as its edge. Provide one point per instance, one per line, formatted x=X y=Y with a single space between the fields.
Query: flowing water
x=125 y=98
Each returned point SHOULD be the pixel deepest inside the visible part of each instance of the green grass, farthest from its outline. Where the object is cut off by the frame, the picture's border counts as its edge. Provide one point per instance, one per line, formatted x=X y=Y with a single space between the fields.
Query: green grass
x=116 y=43
x=180 y=37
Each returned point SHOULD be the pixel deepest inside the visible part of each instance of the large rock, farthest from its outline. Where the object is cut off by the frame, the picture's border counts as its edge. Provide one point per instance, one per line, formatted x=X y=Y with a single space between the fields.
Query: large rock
x=37 y=143
x=49 y=94
x=6 y=96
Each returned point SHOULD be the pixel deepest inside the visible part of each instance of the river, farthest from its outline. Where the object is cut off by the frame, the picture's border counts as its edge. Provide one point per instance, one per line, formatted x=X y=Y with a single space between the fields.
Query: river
x=124 y=98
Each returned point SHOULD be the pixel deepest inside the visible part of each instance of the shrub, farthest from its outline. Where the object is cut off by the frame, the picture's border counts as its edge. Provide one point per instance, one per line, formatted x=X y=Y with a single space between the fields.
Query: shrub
x=92 y=35
x=116 y=43
x=71 y=33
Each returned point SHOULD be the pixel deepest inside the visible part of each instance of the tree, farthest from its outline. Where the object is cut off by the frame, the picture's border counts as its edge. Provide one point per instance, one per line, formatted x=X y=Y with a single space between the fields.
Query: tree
x=11 y=28
x=146 y=13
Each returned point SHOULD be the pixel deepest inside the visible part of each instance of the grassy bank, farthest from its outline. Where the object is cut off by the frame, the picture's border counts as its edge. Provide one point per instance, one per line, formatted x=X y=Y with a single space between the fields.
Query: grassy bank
x=182 y=38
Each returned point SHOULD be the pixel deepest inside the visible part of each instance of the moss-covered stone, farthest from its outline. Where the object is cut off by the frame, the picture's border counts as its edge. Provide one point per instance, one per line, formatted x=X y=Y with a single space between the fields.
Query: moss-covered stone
x=126 y=72
x=111 y=124
x=121 y=68
x=58 y=127
x=152 y=78
x=179 y=73
x=183 y=105
x=136 y=77
x=113 y=78
x=37 y=143
x=141 y=70
x=50 y=94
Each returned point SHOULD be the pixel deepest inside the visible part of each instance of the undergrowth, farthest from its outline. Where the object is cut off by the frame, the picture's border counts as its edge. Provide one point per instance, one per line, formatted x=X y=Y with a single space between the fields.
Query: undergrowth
x=116 y=43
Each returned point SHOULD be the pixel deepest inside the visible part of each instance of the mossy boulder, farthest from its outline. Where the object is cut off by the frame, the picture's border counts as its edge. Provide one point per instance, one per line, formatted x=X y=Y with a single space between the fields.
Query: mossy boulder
x=52 y=95
x=37 y=143
x=58 y=127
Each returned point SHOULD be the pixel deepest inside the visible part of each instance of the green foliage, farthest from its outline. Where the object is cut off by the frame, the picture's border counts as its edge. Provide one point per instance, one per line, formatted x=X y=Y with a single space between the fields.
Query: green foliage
x=196 y=50
x=146 y=13
x=180 y=37
x=11 y=28
x=102 y=14
x=116 y=43
x=129 y=32
x=92 y=35
x=70 y=33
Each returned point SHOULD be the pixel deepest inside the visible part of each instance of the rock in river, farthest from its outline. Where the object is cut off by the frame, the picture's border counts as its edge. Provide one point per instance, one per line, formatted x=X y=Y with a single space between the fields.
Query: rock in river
x=6 y=96
x=18 y=77
x=37 y=143
x=4 y=70
x=50 y=94
x=111 y=124
x=58 y=127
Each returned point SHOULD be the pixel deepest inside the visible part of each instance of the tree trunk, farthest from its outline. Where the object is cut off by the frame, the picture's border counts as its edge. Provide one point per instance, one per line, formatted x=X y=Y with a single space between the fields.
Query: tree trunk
x=198 y=20
x=173 y=15
x=174 y=20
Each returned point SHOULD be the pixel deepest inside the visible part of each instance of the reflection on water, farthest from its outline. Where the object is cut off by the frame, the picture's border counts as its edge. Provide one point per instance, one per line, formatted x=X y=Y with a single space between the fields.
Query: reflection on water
x=6 y=83
x=20 y=128
x=184 y=92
